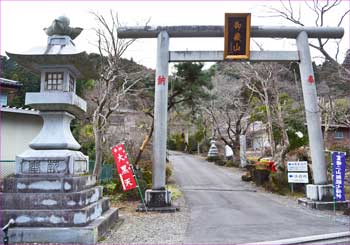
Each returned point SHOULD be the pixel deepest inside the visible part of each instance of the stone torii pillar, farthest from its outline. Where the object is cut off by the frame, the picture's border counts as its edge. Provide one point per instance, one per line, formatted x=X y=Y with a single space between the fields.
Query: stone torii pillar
x=160 y=197
x=320 y=190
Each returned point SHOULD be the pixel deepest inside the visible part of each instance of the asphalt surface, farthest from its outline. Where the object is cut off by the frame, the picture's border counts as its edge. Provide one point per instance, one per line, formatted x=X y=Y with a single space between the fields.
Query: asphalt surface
x=225 y=210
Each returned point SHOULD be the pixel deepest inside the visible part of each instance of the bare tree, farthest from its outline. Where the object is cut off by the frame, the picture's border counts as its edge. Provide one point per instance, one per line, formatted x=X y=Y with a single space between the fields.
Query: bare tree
x=262 y=79
x=342 y=116
x=258 y=79
x=115 y=80
x=321 y=11
x=334 y=113
x=326 y=105
x=229 y=108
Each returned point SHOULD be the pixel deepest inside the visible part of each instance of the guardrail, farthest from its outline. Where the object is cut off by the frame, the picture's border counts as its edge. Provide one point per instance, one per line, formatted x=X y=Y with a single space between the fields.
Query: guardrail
x=331 y=238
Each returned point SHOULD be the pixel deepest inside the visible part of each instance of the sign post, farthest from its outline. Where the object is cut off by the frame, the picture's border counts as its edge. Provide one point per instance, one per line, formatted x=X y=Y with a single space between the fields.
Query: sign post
x=297 y=173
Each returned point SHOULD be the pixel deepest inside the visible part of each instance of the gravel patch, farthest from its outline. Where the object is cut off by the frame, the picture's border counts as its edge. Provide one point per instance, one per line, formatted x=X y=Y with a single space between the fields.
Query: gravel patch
x=149 y=228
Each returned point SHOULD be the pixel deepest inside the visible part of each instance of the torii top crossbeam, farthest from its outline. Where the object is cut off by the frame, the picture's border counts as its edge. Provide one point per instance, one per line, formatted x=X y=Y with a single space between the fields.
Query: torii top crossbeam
x=218 y=31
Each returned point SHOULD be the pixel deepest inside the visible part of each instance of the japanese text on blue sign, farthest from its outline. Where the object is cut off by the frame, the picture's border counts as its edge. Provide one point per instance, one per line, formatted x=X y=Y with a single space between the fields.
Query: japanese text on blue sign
x=338 y=160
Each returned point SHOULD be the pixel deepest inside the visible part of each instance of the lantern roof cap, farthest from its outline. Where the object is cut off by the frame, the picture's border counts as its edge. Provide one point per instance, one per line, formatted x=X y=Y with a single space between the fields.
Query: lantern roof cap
x=59 y=51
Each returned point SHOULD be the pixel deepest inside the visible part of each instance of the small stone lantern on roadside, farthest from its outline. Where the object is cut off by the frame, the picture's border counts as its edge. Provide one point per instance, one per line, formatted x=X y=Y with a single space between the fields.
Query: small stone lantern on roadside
x=52 y=188
x=213 y=150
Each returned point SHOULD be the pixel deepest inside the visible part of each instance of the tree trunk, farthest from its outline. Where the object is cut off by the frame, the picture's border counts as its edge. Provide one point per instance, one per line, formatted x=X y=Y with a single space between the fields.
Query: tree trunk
x=269 y=123
x=326 y=121
x=285 y=140
x=150 y=133
x=98 y=155
x=325 y=133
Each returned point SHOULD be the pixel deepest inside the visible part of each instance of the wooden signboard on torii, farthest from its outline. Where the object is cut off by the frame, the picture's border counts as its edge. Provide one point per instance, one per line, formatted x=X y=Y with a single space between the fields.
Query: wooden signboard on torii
x=237 y=36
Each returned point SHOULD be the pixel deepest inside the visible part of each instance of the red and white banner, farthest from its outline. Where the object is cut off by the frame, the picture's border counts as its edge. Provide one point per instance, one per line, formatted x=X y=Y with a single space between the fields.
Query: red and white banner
x=123 y=167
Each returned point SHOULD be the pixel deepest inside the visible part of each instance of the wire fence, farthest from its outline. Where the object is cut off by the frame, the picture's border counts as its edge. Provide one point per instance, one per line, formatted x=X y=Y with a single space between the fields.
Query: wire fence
x=7 y=167
x=107 y=170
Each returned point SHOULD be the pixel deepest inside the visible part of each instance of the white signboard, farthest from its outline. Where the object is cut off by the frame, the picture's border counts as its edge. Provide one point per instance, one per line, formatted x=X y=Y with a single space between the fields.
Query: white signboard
x=297 y=166
x=298 y=178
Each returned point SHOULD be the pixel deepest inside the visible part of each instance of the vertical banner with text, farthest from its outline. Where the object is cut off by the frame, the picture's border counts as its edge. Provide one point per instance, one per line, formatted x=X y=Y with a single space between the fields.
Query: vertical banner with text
x=338 y=162
x=123 y=167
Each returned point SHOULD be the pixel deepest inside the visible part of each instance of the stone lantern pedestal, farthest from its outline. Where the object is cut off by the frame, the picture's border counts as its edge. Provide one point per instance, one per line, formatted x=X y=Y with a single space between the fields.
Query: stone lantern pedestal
x=52 y=198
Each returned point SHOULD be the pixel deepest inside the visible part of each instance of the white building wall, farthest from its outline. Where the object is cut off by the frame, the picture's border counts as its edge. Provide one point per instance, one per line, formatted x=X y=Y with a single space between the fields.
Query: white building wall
x=18 y=129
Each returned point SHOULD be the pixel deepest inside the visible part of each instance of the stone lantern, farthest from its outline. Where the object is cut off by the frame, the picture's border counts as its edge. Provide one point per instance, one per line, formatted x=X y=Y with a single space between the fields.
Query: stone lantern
x=52 y=189
x=213 y=150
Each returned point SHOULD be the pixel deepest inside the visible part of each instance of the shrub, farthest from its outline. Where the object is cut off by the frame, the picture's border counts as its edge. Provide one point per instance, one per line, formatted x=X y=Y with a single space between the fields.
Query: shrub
x=339 y=147
x=175 y=192
x=213 y=159
x=192 y=144
x=261 y=176
x=171 y=144
x=176 y=142
x=220 y=162
x=246 y=177
x=229 y=163
x=109 y=188
x=278 y=182
x=146 y=172
x=168 y=172
x=204 y=145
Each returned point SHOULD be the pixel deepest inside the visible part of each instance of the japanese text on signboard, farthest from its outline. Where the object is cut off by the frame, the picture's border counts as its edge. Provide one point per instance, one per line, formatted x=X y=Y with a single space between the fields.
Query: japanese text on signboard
x=123 y=167
x=237 y=35
x=338 y=160
x=298 y=166
x=297 y=172
x=298 y=178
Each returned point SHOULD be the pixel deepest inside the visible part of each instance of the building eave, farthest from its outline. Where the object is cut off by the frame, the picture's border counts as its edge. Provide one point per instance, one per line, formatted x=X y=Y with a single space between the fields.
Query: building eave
x=4 y=82
x=21 y=110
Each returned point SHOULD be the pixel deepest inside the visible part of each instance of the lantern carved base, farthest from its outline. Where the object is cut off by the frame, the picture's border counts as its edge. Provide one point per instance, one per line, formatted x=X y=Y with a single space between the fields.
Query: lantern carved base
x=57 y=162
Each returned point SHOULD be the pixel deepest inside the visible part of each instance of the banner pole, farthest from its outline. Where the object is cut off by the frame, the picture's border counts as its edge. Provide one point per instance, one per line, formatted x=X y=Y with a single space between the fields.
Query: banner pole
x=138 y=187
x=333 y=184
x=136 y=179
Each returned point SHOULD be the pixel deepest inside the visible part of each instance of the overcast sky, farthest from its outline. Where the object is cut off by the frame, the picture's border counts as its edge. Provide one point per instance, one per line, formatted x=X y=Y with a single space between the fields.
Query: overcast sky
x=22 y=23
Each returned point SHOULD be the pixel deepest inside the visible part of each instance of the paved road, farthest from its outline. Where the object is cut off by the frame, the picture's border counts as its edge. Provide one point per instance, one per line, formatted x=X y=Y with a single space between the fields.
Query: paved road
x=226 y=210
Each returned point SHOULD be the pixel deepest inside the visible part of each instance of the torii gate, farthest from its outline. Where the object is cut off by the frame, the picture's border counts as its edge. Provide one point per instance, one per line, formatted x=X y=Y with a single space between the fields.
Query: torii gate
x=158 y=196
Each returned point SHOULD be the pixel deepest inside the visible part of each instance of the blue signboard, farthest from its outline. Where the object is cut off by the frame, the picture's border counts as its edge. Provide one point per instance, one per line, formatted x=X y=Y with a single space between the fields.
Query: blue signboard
x=338 y=160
